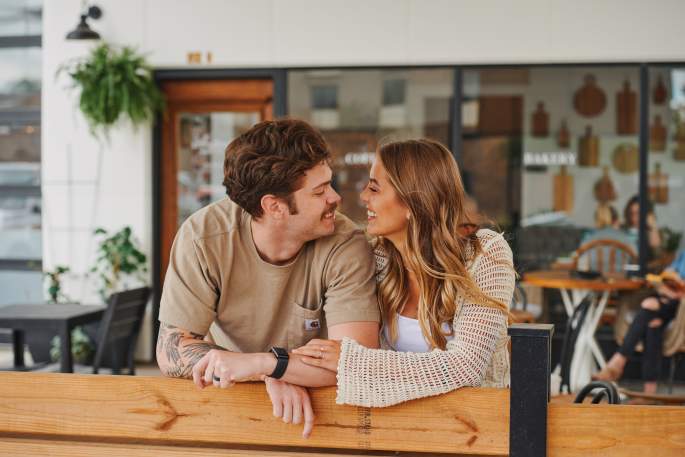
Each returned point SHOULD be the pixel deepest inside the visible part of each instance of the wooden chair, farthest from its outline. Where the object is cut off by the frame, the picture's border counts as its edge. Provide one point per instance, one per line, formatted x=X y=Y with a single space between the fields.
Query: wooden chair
x=605 y=256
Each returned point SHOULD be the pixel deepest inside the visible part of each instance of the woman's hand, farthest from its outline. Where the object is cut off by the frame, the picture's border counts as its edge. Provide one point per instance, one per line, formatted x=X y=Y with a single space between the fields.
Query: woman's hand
x=291 y=403
x=321 y=353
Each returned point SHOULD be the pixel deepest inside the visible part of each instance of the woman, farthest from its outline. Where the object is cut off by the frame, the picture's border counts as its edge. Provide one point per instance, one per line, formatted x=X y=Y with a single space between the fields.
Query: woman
x=631 y=218
x=443 y=287
x=651 y=320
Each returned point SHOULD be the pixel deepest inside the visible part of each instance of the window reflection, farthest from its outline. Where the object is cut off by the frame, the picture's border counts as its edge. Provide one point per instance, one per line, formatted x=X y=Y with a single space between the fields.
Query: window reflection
x=355 y=109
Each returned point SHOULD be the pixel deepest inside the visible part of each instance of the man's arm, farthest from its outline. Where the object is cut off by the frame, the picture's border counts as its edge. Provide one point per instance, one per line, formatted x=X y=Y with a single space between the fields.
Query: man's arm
x=178 y=351
x=301 y=374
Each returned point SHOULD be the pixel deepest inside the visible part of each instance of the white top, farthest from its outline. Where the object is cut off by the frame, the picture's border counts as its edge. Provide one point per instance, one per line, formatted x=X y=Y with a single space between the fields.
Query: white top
x=409 y=335
x=476 y=356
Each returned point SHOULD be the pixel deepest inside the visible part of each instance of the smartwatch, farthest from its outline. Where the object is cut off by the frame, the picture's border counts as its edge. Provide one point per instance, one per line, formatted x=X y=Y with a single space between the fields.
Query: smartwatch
x=282 y=359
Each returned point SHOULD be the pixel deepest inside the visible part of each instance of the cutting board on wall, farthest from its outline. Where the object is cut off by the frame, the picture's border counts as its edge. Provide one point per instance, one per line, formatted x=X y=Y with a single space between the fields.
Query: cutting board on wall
x=626 y=158
x=659 y=93
x=563 y=191
x=589 y=100
x=540 y=121
x=605 y=191
x=588 y=149
x=563 y=137
x=657 y=185
x=626 y=110
x=657 y=135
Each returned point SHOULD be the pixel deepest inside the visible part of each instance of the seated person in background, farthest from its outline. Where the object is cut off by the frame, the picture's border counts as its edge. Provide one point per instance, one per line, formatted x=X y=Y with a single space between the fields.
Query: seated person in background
x=608 y=228
x=631 y=223
x=655 y=312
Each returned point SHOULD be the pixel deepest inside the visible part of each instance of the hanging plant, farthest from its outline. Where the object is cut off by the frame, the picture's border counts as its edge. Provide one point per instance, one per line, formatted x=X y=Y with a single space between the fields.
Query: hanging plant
x=114 y=83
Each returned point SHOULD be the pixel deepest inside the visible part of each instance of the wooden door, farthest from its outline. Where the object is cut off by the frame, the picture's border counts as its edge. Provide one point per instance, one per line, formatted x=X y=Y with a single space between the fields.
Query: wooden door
x=201 y=118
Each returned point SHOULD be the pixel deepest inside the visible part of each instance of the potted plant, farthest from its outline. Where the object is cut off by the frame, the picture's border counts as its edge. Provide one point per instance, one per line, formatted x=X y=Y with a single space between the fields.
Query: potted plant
x=114 y=83
x=120 y=265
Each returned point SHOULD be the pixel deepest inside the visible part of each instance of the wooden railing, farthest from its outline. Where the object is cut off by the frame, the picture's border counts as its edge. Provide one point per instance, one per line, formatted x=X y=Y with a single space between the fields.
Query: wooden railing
x=82 y=415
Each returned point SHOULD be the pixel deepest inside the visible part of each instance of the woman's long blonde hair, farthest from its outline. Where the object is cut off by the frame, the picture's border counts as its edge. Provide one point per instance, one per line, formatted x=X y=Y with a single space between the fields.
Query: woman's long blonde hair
x=426 y=179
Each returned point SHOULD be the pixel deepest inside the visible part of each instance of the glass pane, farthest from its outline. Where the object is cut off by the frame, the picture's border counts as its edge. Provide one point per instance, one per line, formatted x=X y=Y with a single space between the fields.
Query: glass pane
x=552 y=154
x=666 y=164
x=21 y=287
x=21 y=17
x=203 y=140
x=355 y=109
x=20 y=79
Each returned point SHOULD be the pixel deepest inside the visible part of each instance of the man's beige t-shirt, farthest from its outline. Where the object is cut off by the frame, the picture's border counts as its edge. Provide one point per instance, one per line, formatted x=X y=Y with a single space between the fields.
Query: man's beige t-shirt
x=217 y=283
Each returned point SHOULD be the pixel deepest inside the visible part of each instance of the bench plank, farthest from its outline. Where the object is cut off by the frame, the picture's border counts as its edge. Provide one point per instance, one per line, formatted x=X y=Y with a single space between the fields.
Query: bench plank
x=615 y=430
x=161 y=410
x=37 y=447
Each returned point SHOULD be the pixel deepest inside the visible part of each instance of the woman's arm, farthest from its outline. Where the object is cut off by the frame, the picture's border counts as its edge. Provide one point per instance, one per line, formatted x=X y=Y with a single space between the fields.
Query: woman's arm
x=371 y=377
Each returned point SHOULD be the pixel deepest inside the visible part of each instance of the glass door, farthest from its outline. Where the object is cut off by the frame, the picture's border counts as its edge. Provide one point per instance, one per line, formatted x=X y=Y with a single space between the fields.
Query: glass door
x=201 y=118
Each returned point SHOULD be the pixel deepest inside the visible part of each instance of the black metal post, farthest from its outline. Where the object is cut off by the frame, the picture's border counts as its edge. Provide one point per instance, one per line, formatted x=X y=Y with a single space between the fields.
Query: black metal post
x=280 y=78
x=529 y=396
x=18 y=348
x=644 y=167
x=455 y=132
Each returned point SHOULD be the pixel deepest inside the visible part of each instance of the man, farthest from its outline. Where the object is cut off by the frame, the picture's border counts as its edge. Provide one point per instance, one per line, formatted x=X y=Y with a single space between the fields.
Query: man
x=264 y=271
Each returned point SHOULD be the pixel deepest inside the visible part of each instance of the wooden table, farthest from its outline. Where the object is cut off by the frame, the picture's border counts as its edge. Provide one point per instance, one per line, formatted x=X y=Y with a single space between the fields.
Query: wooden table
x=573 y=291
x=49 y=317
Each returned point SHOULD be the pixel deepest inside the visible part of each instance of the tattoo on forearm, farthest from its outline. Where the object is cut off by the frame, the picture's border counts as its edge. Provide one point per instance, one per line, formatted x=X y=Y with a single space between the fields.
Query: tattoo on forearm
x=178 y=358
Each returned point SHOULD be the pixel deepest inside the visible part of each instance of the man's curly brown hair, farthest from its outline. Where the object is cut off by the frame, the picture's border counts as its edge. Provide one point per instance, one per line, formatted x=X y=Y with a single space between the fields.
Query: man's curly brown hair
x=271 y=158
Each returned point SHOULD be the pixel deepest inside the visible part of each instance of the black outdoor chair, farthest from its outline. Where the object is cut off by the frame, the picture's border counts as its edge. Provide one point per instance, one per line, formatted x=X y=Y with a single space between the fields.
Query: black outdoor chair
x=120 y=327
x=117 y=333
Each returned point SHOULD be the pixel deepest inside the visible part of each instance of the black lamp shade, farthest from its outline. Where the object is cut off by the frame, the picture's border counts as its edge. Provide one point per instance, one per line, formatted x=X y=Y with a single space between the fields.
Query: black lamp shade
x=83 y=31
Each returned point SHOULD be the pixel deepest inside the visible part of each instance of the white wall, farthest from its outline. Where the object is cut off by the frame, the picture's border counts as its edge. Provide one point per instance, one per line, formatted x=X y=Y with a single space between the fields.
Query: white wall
x=271 y=33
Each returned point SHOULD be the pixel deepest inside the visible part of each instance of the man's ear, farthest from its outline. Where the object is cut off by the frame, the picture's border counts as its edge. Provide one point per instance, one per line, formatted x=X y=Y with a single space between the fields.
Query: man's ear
x=273 y=206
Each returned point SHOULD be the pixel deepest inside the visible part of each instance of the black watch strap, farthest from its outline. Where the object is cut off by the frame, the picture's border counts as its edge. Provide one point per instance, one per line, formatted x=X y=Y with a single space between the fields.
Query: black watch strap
x=282 y=359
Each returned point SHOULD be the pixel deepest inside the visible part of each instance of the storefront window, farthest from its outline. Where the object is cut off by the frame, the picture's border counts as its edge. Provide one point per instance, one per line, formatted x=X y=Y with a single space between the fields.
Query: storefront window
x=666 y=173
x=20 y=155
x=355 y=109
x=551 y=155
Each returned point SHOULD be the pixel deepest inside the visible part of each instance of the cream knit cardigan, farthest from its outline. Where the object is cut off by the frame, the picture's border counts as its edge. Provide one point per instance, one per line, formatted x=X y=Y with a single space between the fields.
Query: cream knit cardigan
x=477 y=356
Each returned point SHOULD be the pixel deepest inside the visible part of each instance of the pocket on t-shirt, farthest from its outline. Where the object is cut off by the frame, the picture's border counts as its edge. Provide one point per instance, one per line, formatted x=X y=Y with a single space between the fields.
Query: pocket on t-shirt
x=305 y=324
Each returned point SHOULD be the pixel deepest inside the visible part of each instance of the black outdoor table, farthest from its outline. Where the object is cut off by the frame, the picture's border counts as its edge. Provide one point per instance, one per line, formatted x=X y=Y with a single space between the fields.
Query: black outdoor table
x=61 y=318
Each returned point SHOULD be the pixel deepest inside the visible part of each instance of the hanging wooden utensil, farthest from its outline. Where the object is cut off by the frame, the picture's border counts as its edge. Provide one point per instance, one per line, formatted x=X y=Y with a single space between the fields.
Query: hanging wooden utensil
x=659 y=93
x=679 y=151
x=563 y=137
x=626 y=158
x=657 y=185
x=657 y=135
x=563 y=191
x=604 y=188
x=589 y=100
x=626 y=110
x=588 y=149
x=540 y=121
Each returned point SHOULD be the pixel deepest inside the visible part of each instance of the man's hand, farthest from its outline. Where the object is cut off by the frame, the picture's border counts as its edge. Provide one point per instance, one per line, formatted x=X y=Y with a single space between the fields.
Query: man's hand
x=291 y=403
x=223 y=368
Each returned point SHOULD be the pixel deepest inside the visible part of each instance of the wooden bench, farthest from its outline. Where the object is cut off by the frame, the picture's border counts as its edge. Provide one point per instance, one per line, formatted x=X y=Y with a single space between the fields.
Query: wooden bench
x=83 y=415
